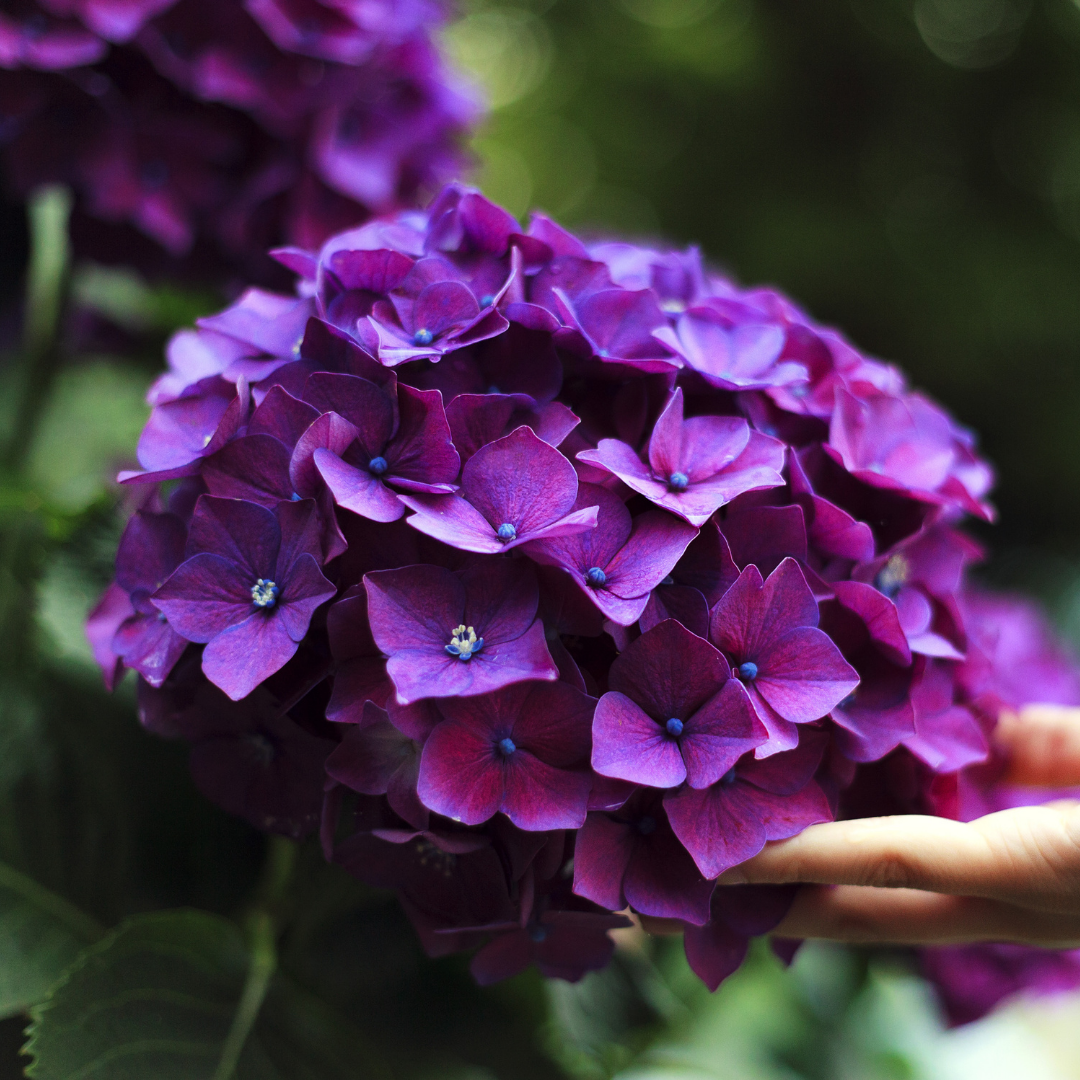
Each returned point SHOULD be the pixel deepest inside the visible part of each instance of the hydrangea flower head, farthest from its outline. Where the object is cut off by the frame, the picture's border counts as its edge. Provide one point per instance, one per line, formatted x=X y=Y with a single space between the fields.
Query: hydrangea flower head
x=563 y=578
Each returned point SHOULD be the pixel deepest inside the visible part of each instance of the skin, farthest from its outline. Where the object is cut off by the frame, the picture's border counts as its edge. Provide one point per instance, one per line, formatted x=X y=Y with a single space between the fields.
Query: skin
x=913 y=880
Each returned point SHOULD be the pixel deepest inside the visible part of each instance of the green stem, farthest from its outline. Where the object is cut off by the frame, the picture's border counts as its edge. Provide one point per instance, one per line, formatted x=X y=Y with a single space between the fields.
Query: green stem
x=46 y=291
x=78 y=922
x=260 y=971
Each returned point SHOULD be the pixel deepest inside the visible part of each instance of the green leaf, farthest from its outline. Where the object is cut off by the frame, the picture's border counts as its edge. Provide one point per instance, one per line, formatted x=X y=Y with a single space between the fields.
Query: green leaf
x=176 y=996
x=40 y=935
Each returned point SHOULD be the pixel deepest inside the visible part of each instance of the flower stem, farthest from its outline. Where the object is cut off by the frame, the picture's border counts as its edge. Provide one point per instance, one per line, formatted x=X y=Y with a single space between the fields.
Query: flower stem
x=46 y=291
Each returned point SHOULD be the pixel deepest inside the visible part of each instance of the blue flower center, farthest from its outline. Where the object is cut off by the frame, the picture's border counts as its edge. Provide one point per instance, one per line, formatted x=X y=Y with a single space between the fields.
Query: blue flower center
x=423 y=337
x=506 y=532
x=377 y=466
x=748 y=671
x=728 y=777
x=595 y=577
x=646 y=826
x=893 y=575
x=464 y=643
x=669 y=580
x=537 y=934
x=678 y=481
x=487 y=300
x=506 y=746
x=264 y=593
x=847 y=702
x=674 y=727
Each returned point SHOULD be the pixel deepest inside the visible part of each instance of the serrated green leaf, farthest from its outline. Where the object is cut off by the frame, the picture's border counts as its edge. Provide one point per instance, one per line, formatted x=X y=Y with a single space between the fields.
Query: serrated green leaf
x=164 y=995
x=40 y=935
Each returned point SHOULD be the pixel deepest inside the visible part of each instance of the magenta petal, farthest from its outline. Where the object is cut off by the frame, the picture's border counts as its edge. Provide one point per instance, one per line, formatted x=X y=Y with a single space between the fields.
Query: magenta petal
x=442 y=305
x=460 y=776
x=414 y=607
x=148 y=645
x=714 y=952
x=356 y=682
x=879 y=615
x=783 y=734
x=520 y=480
x=255 y=468
x=303 y=589
x=356 y=489
x=712 y=443
x=718 y=734
x=204 y=596
x=244 y=532
x=452 y=520
x=803 y=675
x=662 y=880
x=539 y=796
x=369 y=408
x=330 y=432
x=669 y=672
x=596 y=547
x=656 y=544
x=602 y=851
x=501 y=598
x=422 y=449
x=629 y=745
x=241 y=657
x=666 y=443
x=720 y=826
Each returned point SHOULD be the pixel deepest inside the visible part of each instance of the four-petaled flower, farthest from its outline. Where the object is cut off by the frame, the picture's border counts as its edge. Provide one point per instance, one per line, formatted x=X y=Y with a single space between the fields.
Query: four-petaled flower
x=792 y=670
x=694 y=466
x=248 y=588
x=450 y=634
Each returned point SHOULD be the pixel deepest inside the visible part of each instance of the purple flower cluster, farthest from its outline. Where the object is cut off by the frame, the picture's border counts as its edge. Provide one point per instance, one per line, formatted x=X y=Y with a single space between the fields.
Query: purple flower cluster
x=242 y=124
x=547 y=580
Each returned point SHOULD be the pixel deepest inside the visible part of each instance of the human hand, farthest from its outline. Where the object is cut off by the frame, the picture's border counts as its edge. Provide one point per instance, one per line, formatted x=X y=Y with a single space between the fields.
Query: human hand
x=919 y=880
x=915 y=880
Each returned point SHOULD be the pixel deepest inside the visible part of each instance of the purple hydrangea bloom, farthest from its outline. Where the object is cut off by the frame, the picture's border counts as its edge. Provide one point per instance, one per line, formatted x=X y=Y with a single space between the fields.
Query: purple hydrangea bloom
x=617 y=564
x=694 y=466
x=756 y=801
x=793 y=672
x=672 y=713
x=516 y=489
x=248 y=588
x=449 y=635
x=519 y=751
x=630 y=856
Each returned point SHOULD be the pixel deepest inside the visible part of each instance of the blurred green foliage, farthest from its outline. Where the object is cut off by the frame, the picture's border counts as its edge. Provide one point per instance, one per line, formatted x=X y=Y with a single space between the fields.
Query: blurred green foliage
x=909 y=170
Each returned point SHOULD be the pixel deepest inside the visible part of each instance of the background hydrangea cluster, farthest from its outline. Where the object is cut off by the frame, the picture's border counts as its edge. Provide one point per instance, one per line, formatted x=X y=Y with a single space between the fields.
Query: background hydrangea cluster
x=549 y=579
x=237 y=124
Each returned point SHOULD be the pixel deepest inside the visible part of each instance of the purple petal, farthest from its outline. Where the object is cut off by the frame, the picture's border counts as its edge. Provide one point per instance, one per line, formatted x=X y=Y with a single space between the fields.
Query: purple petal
x=520 y=480
x=148 y=645
x=666 y=443
x=282 y=416
x=330 y=432
x=540 y=796
x=422 y=449
x=656 y=543
x=501 y=598
x=602 y=851
x=356 y=489
x=414 y=607
x=720 y=826
x=243 y=532
x=803 y=675
x=628 y=744
x=255 y=468
x=460 y=775
x=714 y=952
x=303 y=589
x=718 y=734
x=204 y=596
x=241 y=657
x=669 y=672
x=369 y=408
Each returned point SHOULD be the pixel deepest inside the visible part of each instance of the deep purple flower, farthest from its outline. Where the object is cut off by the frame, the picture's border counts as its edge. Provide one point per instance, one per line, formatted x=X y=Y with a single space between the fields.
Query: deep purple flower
x=694 y=466
x=360 y=675
x=792 y=670
x=518 y=750
x=704 y=573
x=449 y=635
x=948 y=736
x=248 y=588
x=370 y=437
x=516 y=489
x=756 y=801
x=150 y=550
x=738 y=912
x=972 y=979
x=433 y=312
x=732 y=355
x=909 y=443
x=618 y=563
x=672 y=713
x=104 y=619
x=630 y=856
x=478 y=419
x=375 y=758
x=562 y=945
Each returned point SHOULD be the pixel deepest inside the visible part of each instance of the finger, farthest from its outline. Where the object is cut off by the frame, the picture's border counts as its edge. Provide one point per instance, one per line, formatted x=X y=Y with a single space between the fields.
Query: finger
x=859 y=913
x=1041 y=744
x=1029 y=855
